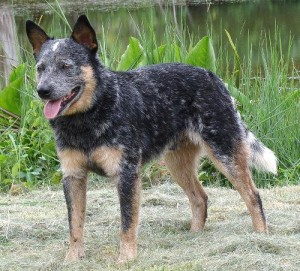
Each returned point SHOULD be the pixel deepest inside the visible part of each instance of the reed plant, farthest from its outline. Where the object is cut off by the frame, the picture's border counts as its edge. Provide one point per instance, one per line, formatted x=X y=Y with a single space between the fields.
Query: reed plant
x=274 y=108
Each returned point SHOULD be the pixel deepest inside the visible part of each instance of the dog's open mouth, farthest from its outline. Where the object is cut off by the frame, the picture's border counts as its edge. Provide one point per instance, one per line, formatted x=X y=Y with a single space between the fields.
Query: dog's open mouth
x=54 y=107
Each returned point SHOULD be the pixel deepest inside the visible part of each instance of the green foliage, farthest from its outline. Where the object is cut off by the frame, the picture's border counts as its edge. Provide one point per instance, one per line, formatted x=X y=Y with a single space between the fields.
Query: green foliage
x=10 y=104
x=202 y=55
x=10 y=95
x=273 y=108
x=132 y=57
x=27 y=153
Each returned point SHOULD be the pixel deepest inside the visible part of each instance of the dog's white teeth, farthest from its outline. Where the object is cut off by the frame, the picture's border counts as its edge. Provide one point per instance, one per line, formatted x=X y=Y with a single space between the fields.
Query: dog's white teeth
x=67 y=97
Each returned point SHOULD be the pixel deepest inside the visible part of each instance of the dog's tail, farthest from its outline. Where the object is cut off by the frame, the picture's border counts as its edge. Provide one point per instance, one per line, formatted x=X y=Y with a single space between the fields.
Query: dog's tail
x=261 y=157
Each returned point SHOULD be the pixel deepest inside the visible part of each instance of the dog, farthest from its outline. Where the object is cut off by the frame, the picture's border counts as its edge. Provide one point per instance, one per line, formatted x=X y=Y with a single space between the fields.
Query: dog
x=113 y=122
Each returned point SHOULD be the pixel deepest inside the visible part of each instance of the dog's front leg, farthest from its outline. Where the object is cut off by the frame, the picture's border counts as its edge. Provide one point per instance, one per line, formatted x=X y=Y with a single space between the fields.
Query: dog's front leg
x=75 y=194
x=73 y=164
x=129 y=186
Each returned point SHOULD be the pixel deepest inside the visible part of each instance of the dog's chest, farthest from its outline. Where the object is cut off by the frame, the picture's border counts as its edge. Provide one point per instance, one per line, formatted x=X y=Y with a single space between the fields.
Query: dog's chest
x=77 y=133
x=104 y=160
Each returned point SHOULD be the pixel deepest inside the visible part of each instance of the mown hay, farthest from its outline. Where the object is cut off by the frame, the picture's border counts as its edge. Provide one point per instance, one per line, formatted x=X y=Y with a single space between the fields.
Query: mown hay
x=34 y=232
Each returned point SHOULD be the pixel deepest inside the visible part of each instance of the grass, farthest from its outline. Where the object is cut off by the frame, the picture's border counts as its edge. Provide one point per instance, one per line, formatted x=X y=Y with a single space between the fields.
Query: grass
x=274 y=106
x=34 y=231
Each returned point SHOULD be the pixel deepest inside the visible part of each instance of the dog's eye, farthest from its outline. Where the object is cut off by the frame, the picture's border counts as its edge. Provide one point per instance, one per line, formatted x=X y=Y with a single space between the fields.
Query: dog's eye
x=65 y=66
x=40 y=68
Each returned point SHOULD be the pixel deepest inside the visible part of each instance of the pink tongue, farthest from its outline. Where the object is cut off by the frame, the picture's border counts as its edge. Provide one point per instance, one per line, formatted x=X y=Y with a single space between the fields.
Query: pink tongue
x=51 y=109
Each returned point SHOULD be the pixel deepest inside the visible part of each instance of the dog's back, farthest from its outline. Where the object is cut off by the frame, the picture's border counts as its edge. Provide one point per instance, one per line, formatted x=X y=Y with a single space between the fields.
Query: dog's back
x=152 y=108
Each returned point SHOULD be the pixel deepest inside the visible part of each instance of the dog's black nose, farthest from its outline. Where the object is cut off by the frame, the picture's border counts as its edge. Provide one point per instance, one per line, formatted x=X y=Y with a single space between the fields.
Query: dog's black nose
x=44 y=93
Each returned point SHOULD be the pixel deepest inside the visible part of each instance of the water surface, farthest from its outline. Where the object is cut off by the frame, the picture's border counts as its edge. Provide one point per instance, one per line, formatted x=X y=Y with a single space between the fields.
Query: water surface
x=246 y=21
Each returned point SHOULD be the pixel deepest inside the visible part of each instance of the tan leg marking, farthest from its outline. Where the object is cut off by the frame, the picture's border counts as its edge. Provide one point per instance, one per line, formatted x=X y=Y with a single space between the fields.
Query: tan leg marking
x=73 y=162
x=75 y=192
x=108 y=159
x=246 y=187
x=128 y=243
x=182 y=164
x=74 y=166
x=240 y=176
x=218 y=164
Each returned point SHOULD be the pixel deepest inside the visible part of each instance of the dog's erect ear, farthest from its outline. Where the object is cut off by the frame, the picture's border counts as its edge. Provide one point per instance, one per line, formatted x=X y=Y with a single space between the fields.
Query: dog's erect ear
x=84 y=34
x=36 y=36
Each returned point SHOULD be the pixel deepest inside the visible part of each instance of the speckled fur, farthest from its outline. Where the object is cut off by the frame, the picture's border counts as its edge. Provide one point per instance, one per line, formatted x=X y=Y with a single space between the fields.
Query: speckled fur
x=130 y=118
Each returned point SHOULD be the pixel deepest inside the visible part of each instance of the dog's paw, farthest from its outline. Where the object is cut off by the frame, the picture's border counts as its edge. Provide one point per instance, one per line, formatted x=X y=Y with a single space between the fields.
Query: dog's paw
x=126 y=256
x=74 y=254
x=122 y=259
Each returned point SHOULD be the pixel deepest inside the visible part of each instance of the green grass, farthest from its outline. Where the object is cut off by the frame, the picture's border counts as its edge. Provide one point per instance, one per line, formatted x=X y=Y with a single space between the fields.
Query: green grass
x=28 y=154
x=34 y=231
x=270 y=104
x=274 y=109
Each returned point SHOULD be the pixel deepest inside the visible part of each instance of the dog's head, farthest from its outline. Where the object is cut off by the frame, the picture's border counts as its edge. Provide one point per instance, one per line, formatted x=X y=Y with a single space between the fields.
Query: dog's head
x=65 y=76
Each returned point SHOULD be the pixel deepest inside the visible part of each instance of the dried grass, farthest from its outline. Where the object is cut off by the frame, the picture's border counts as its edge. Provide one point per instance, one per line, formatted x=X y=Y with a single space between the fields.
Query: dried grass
x=34 y=232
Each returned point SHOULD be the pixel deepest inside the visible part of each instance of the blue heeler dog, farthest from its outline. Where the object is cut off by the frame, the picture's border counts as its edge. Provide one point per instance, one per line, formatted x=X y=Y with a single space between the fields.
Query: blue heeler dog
x=114 y=122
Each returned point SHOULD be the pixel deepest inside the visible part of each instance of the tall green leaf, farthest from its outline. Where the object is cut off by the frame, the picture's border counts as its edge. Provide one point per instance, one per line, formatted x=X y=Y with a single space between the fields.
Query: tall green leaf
x=10 y=97
x=17 y=73
x=132 y=56
x=202 y=55
x=10 y=103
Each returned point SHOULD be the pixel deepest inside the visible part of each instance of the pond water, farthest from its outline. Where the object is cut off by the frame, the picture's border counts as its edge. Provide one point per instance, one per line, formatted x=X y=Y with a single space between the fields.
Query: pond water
x=245 y=20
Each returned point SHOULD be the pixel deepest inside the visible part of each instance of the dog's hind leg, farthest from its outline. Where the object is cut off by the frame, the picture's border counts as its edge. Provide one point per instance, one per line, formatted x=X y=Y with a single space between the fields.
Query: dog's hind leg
x=183 y=164
x=129 y=187
x=74 y=185
x=236 y=169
